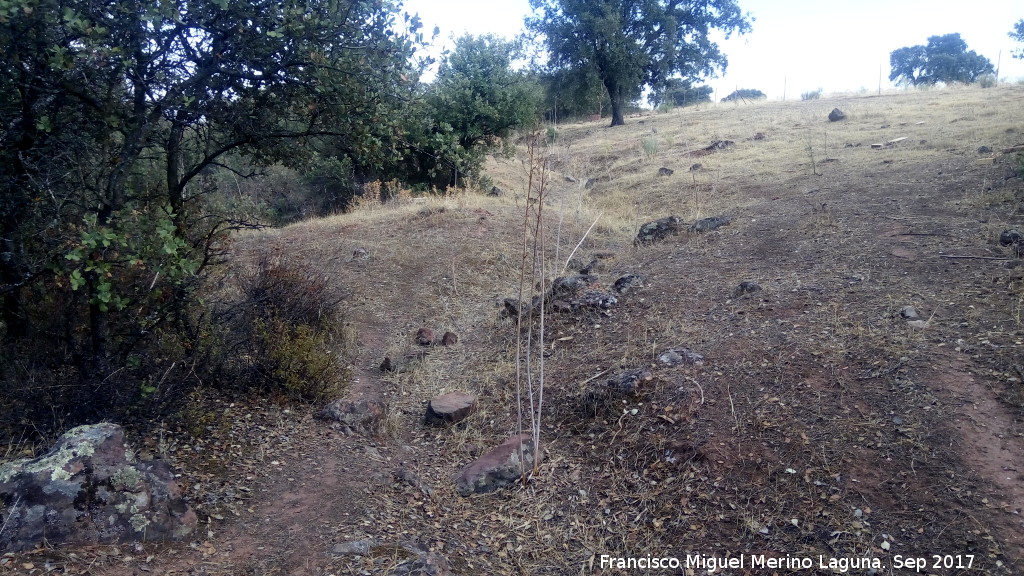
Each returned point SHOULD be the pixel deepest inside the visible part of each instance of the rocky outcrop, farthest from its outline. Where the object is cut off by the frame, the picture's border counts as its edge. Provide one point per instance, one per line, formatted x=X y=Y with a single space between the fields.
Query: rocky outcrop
x=499 y=467
x=89 y=489
x=450 y=408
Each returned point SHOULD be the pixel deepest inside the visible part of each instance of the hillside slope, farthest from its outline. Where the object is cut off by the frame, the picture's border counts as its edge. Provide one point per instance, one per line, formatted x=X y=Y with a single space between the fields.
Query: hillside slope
x=820 y=421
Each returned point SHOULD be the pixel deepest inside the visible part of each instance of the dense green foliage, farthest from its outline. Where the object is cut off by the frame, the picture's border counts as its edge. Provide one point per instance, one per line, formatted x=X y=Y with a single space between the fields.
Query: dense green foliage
x=630 y=44
x=1018 y=34
x=745 y=94
x=944 y=59
x=472 y=107
x=116 y=120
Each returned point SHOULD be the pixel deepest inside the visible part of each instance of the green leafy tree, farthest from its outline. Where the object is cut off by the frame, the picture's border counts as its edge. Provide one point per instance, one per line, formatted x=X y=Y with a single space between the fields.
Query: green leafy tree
x=1018 y=34
x=944 y=59
x=115 y=116
x=476 y=102
x=630 y=44
x=745 y=94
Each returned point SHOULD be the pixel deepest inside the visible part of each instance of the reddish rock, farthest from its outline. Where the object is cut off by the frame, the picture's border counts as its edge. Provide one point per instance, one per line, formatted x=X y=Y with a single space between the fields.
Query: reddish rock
x=499 y=467
x=89 y=489
x=450 y=408
x=449 y=339
x=424 y=336
x=356 y=413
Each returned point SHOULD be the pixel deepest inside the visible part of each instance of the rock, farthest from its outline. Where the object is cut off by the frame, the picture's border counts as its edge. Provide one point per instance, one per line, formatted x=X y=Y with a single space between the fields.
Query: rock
x=499 y=467
x=626 y=283
x=449 y=339
x=909 y=312
x=388 y=365
x=665 y=171
x=495 y=191
x=596 y=299
x=720 y=145
x=359 y=254
x=571 y=179
x=89 y=489
x=570 y=285
x=984 y=150
x=353 y=548
x=836 y=115
x=696 y=167
x=450 y=408
x=356 y=413
x=1010 y=237
x=423 y=563
x=424 y=336
x=746 y=288
x=592 y=267
x=601 y=397
x=658 y=230
x=677 y=356
x=709 y=224
x=758 y=136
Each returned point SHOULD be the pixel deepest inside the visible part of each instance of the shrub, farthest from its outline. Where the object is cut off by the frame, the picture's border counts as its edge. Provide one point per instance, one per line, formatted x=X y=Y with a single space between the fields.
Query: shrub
x=987 y=80
x=812 y=95
x=285 y=336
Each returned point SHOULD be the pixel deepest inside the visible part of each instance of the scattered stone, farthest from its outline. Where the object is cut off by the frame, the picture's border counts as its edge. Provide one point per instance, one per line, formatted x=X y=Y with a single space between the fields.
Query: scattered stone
x=561 y=307
x=909 y=312
x=359 y=254
x=596 y=299
x=412 y=479
x=495 y=191
x=450 y=408
x=677 y=356
x=696 y=167
x=665 y=171
x=424 y=336
x=356 y=413
x=836 y=115
x=627 y=283
x=570 y=285
x=984 y=150
x=449 y=339
x=1010 y=237
x=571 y=179
x=709 y=224
x=658 y=230
x=423 y=563
x=499 y=467
x=353 y=548
x=89 y=489
x=602 y=396
x=746 y=288
x=720 y=145
x=758 y=136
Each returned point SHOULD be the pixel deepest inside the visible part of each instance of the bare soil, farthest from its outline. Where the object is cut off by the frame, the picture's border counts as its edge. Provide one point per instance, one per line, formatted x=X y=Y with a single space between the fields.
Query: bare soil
x=820 y=423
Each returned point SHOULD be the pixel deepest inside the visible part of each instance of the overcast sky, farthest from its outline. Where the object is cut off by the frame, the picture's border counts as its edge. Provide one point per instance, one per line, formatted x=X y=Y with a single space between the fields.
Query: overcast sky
x=801 y=45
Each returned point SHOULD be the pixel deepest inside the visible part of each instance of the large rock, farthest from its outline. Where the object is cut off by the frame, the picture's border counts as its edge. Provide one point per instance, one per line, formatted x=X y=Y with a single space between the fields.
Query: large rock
x=450 y=408
x=658 y=230
x=89 y=489
x=709 y=224
x=499 y=467
x=836 y=115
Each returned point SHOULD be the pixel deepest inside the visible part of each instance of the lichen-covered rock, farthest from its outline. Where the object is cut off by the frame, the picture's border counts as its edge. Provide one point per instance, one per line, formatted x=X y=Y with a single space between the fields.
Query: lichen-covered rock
x=499 y=467
x=658 y=230
x=89 y=489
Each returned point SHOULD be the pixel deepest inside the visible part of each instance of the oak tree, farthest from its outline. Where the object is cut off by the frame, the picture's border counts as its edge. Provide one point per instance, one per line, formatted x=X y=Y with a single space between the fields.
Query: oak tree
x=632 y=44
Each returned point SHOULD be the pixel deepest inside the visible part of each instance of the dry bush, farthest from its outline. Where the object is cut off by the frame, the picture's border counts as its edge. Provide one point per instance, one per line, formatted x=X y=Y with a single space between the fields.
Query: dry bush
x=286 y=335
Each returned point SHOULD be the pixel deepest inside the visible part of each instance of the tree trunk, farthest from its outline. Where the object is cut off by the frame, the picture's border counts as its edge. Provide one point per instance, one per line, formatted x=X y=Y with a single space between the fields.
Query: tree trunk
x=615 y=95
